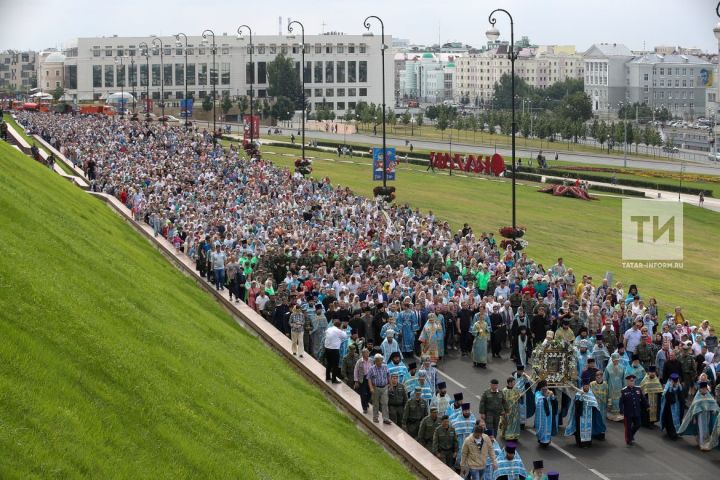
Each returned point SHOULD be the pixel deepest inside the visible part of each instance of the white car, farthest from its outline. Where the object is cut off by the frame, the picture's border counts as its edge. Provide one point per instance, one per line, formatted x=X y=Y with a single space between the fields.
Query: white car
x=715 y=157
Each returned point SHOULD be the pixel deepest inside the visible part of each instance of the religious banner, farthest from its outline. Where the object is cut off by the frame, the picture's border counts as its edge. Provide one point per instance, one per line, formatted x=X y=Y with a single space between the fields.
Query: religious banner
x=186 y=107
x=390 y=164
x=488 y=165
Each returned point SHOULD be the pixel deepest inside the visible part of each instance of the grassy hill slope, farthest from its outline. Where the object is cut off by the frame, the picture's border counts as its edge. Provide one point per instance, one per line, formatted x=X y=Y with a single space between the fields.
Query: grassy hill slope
x=115 y=365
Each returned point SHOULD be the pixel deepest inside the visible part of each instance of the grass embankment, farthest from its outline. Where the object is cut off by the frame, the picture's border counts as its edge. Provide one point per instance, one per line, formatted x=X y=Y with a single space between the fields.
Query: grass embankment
x=113 y=364
x=586 y=234
x=18 y=128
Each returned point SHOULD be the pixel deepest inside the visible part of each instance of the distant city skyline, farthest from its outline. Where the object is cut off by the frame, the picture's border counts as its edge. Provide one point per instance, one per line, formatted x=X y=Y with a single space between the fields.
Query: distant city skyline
x=41 y=24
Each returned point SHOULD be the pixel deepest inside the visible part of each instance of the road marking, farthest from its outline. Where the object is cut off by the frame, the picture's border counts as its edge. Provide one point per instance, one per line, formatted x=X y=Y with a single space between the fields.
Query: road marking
x=560 y=449
x=599 y=474
x=453 y=380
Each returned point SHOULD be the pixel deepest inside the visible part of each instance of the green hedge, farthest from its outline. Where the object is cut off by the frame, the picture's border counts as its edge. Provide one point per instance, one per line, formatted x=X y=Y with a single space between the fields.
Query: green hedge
x=628 y=182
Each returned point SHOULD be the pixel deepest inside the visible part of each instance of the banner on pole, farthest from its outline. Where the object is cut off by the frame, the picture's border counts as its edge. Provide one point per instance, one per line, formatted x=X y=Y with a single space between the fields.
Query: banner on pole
x=390 y=163
x=251 y=127
x=186 y=107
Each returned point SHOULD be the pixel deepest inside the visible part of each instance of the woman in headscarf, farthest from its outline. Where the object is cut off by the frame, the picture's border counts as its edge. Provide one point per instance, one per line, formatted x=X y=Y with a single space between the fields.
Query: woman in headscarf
x=615 y=379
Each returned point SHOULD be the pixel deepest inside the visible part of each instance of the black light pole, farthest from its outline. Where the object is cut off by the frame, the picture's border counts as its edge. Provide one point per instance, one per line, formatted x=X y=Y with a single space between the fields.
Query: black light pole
x=493 y=34
x=187 y=112
x=382 y=56
x=162 y=76
x=252 y=79
x=119 y=60
x=213 y=76
x=132 y=68
x=302 y=70
x=146 y=52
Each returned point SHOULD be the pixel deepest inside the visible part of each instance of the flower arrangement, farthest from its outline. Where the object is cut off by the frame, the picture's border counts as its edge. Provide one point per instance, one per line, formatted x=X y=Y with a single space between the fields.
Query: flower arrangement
x=385 y=193
x=512 y=233
x=304 y=166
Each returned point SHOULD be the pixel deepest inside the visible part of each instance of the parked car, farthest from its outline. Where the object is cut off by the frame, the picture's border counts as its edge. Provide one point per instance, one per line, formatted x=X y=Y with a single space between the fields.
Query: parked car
x=670 y=149
x=715 y=157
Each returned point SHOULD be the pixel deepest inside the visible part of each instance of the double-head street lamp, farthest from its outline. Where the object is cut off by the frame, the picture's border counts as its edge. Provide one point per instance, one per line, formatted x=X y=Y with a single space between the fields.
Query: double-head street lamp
x=179 y=44
x=119 y=61
x=252 y=78
x=145 y=51
x=134 y=82
x=158 y=41
x=366 y=24
x=493 y=34
x=302 y=69
x=213 y=74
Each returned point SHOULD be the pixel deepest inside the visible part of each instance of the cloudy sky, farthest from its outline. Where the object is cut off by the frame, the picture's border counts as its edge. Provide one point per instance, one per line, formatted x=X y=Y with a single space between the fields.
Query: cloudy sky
x=38 y=24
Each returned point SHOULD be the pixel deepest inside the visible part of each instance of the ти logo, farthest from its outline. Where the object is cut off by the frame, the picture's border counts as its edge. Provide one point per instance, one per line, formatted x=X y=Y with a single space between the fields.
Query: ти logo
x=652 y=230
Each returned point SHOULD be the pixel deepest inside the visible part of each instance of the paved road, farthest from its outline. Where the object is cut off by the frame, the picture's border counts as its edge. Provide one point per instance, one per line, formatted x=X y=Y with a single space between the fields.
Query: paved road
x=653 y=456
x=705 y=167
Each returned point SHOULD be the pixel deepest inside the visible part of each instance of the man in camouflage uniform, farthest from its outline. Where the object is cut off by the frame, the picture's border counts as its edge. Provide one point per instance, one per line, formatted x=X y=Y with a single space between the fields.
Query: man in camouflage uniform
x=687 y=362
x=397 y=398
x=444 y=444
x=492 y=405
x=415 y=410
x=427 y=428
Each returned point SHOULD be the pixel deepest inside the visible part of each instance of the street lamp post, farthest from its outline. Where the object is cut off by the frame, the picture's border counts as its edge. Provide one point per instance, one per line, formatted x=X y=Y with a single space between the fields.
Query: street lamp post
x=145 y=48
x=134 y=82
x=119 y=60
x=162 y=75
x=187 y=112
x=213 y=77
x=493 y=34
x=366 y=23
x=302 y=71
x=252 y=79
x=624 y=106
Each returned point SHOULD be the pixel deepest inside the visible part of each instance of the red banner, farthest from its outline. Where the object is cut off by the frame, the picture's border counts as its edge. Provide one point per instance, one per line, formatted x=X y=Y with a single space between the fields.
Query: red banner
x=251 y=127
x=488 y=165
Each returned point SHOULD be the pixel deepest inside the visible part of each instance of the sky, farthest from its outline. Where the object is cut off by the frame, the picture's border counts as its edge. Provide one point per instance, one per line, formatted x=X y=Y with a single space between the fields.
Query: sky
x=40 y=24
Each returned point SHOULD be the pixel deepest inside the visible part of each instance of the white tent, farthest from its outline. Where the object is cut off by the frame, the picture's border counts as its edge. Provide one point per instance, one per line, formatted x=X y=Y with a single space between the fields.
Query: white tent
x=42 y=96
x=115 y=98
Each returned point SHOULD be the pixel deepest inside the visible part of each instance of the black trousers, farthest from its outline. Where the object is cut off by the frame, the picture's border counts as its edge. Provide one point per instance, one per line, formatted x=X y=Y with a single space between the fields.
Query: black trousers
x=364 y=391
x=332 y=359
x=632 y=425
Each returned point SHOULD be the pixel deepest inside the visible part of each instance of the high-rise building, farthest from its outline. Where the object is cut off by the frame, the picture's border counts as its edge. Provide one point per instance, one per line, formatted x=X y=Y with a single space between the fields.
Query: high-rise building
x=18 y=70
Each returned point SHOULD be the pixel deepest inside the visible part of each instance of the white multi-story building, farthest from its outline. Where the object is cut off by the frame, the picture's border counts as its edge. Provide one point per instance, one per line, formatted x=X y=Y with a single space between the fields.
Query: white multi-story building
x=18 y=70
x=427 y=76
x=340 y=70
x=477 y=74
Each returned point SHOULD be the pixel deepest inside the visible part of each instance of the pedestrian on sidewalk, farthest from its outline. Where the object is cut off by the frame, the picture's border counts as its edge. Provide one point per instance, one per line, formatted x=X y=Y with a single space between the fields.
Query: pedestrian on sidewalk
x=701 y=199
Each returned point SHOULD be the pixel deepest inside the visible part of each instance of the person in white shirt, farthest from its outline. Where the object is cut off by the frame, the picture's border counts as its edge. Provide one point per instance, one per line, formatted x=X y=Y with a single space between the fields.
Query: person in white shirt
x=333 y=339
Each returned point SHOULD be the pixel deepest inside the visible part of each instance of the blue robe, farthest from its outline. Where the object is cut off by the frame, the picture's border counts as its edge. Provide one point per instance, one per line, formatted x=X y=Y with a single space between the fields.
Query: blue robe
x=489 y=472
x=400 y=369
x=545 y=417
x=388 y=349
x=511 y=469
x=463 y=427
x=699 y=421
x=526 y=403
x=672 y=399
x=582 y=359
x=389 y=326
x=638 y=371
x=589 y=426
x=407 y=323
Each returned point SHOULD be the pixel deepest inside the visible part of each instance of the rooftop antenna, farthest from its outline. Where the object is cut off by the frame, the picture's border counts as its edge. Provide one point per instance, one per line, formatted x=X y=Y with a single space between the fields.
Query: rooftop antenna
x=323 y=27
x=280 y=25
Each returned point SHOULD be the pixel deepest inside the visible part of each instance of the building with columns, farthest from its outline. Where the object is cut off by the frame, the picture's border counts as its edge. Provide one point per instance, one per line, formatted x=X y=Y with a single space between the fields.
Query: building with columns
x=340 y=70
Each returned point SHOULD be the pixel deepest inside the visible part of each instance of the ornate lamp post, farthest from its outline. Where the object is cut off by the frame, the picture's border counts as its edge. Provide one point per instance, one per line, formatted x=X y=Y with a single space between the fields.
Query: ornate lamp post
x=162 y=75
x=145 y=49
x=366 y=24
x=213 y=75
x=119 y=61
x=493 y=34
x=187 y=112
x=252 y=79
x=302 y=70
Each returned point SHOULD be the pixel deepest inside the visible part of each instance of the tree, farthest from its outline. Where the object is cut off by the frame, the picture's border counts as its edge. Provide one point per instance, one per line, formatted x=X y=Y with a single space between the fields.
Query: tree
x=284 y=81
x=431 y=112
x=243 y=104
x=442 y=124
x=594 y=129
x=207 y=103
x=58 y=93
x=266 y=108
x=525 y=125
x=226 y=104
x=282 y=109
x=419 y=119
x=503 y=91
x=575 y=107
x=405 y=118
x=602 y=133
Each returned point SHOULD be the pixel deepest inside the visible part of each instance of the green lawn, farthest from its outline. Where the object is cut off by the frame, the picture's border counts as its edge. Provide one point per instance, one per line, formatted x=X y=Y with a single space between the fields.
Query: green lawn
x=586 y=234
x=113 y=364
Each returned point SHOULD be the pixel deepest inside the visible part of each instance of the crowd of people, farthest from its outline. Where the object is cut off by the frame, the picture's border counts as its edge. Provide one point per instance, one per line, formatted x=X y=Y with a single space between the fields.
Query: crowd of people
x=382 y=293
